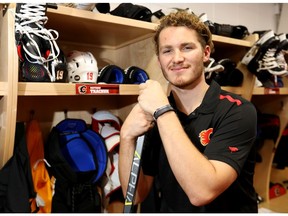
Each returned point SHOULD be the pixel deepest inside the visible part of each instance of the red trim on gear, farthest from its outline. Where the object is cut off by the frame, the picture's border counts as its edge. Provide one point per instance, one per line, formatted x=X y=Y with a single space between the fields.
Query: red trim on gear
x=19 y=51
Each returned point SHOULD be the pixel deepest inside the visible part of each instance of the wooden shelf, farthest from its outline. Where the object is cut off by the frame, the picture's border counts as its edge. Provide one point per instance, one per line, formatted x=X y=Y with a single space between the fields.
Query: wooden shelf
x=38 y=89
x=109 y=31
x=236 y=90
x=103 y=30
x=246 y=42
x=58 y=89
x=270 y=91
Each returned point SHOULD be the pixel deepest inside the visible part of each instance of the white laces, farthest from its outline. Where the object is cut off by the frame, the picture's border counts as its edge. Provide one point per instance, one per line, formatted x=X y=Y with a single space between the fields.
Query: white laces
x=30 y=20
x=32 y=13
x=270 y=63
x=281 y=60
x=28 y=15
x=213 y=68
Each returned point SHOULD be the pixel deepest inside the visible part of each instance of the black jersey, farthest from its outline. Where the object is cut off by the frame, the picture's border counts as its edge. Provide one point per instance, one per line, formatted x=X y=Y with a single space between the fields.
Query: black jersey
x=223 y=128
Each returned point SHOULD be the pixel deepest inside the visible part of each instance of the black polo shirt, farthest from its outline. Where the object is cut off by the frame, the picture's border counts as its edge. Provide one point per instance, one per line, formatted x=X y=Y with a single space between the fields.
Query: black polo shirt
x=223 y=128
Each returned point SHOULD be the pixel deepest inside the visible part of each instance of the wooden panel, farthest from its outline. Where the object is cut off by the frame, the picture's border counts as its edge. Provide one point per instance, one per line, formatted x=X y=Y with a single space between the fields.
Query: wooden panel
x=278 y=204
x=9 y=78
x=278 y=105
x=49 y=110
x=263 y=169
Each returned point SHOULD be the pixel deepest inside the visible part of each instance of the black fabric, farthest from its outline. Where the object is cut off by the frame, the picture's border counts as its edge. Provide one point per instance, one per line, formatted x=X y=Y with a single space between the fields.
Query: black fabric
x=281 y=153
x=77 y=198
x=158 y=14
x=59 y=167
x=16 y=184
x=75 y=192
x=238 y=32
x=103 y=7
x=133 y=11
x=222 y=112
x=230 y=76
x=152 y=202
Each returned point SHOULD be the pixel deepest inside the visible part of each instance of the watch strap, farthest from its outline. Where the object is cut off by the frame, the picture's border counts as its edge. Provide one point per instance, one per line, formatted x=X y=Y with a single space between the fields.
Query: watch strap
x=160 y=111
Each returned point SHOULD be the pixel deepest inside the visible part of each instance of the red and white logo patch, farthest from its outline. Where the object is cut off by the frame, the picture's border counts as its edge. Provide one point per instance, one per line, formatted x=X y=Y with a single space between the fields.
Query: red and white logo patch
x=205 y=136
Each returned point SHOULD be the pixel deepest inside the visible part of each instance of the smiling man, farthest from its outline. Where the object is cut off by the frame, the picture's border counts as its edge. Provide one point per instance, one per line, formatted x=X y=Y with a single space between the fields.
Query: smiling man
x=200 y=152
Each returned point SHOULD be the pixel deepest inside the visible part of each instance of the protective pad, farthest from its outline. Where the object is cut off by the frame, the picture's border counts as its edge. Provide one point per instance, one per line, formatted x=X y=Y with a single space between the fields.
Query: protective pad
x=113 y=182
x=101 y=152
x=104 y=116
x=111 y=74
x=135 y=75
x=111 y=136
x=76 y=153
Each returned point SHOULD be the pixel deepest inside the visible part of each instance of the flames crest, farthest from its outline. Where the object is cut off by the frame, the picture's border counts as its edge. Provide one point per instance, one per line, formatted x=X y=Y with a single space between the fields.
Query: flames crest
x=205 y=136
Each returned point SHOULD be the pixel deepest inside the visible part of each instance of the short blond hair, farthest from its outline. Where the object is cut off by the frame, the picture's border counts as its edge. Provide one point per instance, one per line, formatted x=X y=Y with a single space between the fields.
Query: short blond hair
x=189 y=20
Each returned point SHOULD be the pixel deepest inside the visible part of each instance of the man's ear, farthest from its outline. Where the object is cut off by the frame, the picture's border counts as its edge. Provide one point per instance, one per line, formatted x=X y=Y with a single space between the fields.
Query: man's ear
x=206 y=53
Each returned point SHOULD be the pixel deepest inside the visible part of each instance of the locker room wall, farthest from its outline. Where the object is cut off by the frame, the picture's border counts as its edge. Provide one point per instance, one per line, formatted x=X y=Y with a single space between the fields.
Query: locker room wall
x=255 y=16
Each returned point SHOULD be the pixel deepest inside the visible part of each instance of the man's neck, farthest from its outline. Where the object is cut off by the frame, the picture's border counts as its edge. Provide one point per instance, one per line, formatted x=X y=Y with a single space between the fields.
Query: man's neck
x=187 y=100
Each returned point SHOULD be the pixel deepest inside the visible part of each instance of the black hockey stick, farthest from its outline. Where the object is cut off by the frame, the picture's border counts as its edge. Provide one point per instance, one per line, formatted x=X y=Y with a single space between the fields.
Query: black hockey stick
x=133 y=178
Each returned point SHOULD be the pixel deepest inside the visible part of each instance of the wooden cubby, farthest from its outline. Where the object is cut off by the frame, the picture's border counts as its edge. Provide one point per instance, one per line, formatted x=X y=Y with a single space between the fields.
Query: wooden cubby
x=112 y=40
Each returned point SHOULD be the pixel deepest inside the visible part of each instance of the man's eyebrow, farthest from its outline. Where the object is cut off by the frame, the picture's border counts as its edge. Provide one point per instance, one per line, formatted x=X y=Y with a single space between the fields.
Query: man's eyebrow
x=187 y=43
x=165 y=46
x=182 y=45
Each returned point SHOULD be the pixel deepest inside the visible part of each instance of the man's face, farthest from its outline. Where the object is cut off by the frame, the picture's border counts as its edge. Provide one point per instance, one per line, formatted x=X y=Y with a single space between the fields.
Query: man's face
x=181 y=56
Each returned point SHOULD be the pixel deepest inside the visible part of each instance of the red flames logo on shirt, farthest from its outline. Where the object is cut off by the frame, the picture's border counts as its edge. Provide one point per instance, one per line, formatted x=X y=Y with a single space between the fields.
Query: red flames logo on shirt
x=205 y=136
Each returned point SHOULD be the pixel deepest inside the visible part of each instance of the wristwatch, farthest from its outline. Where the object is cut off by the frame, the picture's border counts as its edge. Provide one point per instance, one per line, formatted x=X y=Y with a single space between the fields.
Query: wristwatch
x=160 y=111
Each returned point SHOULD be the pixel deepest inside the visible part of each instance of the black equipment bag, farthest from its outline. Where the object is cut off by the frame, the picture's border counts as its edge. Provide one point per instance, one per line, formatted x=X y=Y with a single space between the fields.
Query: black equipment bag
x=132 y=11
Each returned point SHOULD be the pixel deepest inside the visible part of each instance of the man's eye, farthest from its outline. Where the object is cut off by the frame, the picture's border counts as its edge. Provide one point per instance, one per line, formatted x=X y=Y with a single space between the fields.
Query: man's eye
x=166 y=51
x=188 y=48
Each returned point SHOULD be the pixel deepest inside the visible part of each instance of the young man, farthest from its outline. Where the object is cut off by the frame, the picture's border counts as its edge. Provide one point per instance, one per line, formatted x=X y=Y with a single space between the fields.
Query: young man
x=201 y=147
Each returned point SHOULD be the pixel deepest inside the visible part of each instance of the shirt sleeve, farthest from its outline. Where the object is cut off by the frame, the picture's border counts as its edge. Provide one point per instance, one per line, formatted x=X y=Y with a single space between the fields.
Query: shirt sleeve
x=234 y=137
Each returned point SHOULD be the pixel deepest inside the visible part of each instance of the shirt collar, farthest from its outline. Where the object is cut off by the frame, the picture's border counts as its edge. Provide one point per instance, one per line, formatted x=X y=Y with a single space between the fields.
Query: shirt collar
x=210 y=101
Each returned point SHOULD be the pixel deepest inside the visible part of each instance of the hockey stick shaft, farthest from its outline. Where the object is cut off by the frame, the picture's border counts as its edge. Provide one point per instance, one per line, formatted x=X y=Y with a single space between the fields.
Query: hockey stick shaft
x=134 y=175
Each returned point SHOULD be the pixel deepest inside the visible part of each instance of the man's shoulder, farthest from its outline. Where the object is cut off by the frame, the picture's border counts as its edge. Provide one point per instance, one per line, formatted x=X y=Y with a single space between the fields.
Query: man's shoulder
x=233 y=98
x=232 y=103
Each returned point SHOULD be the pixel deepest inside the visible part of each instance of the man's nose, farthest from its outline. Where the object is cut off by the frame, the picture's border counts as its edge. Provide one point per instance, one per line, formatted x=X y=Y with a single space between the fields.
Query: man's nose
x=178 y=56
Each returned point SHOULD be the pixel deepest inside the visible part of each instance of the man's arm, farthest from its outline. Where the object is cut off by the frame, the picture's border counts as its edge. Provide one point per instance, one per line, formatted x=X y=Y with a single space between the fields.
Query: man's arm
x=136 y=124
x=201 y=179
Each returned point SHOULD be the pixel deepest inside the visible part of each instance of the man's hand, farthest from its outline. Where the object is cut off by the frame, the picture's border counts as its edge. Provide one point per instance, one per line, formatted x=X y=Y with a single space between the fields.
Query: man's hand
x=136 y=123
x=151 y=96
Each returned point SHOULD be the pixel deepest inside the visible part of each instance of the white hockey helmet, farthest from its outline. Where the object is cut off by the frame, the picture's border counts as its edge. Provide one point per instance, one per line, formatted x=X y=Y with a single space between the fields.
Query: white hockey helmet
x=82 y=67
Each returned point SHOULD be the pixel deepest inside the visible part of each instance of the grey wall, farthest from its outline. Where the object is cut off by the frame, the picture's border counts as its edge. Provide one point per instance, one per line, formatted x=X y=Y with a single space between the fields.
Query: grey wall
x=255 y=16
x=283 y=19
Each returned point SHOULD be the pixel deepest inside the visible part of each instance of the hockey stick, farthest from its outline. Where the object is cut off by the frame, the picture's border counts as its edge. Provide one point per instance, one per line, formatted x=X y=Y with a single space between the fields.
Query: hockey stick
x=133 y=178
